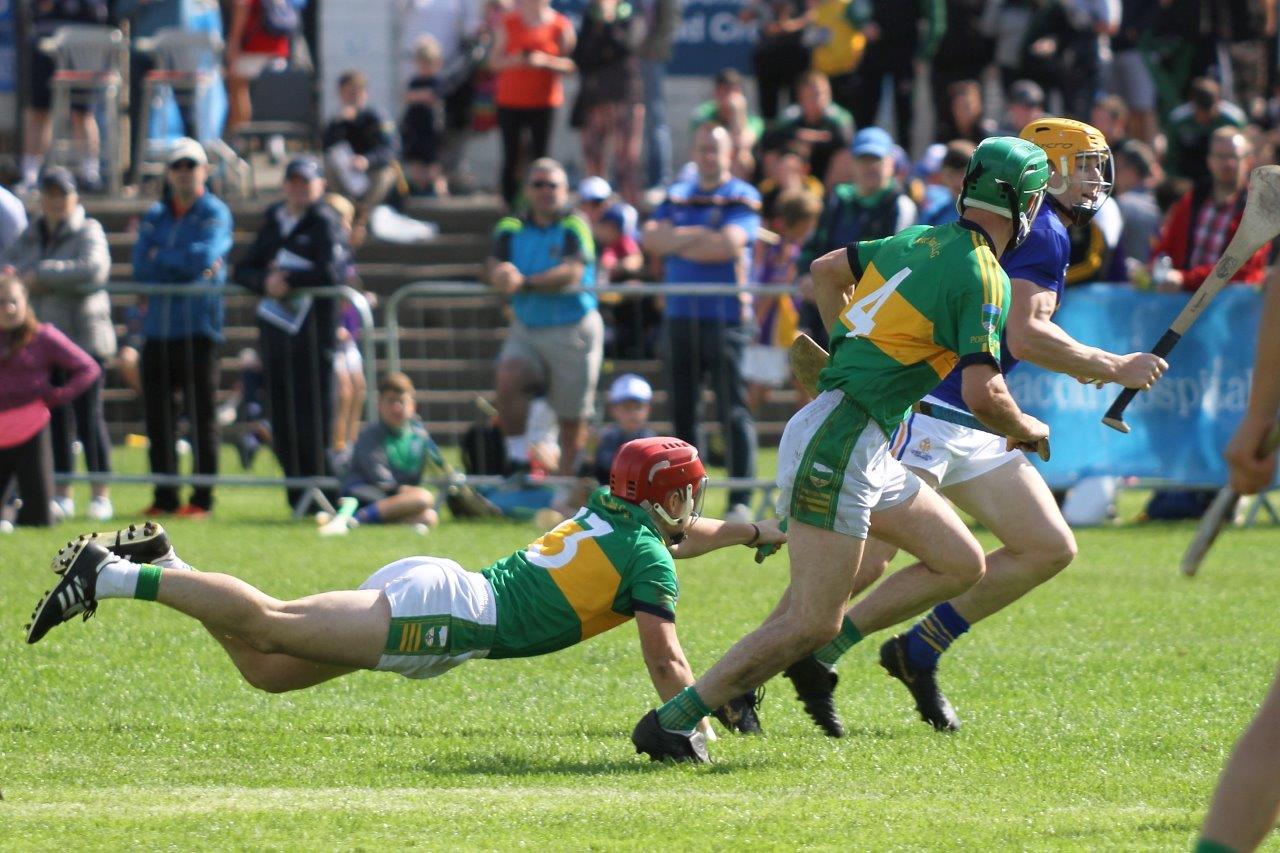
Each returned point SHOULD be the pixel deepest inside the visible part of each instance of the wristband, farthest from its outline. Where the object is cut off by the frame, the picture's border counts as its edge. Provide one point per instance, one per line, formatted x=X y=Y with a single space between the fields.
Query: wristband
x=756 y=537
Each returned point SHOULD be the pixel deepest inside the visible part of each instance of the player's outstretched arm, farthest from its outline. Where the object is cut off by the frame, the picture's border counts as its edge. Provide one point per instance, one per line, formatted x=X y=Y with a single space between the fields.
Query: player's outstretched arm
x=833 y=284
x=1249 y=474
x=984 y=392
x=664 y=658
x=711 y=534
x=1031 y=335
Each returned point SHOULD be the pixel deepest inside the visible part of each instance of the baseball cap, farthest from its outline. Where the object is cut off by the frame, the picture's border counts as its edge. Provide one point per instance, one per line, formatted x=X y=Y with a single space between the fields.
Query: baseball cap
x=186 y=148
x=872 y=142
x=616 y=215
x=594 y=188
x=57 y=177
x=630 y=386
x=303 y=166
x=1027 y=93
x=931 y=161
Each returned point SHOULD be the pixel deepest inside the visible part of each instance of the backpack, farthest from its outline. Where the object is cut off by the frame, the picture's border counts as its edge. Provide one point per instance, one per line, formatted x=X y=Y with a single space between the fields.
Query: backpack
x=279 y=17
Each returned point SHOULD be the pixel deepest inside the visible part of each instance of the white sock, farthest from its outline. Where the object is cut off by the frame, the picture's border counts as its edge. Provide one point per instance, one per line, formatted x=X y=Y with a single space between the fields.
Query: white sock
x=30 y=168
x=117 y=579
x=518 y=448
x=171 y=560
x=90 y=170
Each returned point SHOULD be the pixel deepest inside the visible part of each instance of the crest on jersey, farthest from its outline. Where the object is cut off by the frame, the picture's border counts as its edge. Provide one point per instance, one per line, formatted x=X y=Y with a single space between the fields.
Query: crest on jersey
x=990 y=316
x=820 y=475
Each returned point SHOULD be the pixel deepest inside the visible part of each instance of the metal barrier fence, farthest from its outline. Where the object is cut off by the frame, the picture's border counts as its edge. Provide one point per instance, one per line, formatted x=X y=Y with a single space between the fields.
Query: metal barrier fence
x=190 y=364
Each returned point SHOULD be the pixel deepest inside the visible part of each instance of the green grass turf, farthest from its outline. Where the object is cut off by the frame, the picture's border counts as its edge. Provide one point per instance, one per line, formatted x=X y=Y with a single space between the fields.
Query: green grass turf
x=1097 y=713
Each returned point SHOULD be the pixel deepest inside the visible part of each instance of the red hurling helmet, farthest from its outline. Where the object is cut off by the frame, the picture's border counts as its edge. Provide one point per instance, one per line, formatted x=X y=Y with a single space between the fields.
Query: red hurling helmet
x=647 y=471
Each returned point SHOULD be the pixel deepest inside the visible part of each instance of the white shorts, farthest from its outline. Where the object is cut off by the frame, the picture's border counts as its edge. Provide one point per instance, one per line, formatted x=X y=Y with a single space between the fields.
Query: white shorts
x=950 y=453
x=834 y=467
x=765 y=365
x=251 y=65
x=441 y=615
x=347 y=358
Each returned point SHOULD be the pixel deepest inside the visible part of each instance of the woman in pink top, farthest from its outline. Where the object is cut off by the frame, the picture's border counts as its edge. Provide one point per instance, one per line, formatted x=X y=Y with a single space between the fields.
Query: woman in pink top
x=530 y=55
x=29 y=353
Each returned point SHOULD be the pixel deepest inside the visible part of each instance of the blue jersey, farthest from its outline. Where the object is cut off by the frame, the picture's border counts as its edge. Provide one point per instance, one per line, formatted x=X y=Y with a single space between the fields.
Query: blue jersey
x=735 y=202
x=1042 y=260
x=536 y=248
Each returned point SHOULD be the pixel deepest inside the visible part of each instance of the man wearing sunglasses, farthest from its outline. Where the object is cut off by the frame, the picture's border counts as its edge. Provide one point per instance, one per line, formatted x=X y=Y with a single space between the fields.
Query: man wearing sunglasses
x=545 y=262
x=183 y=239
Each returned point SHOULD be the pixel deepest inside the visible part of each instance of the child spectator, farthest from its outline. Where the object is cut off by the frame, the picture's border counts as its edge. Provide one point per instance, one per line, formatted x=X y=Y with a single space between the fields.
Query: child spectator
x=389 y=459
x=348 y=362
x=629 y=399
x=420 y=124
x=764 y=363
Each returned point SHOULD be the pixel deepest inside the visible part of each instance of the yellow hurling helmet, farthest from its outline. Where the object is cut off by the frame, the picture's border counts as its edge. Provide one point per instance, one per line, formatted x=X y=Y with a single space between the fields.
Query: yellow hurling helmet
x=1078 y=154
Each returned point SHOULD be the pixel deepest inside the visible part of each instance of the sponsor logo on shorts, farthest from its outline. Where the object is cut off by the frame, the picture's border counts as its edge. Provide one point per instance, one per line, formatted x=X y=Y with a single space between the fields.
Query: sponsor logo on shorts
x=820 y=475
x=921 y=450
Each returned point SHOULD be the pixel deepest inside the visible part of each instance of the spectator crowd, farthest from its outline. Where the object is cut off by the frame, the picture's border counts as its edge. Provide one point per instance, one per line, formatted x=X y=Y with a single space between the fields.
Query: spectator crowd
x=857 y=121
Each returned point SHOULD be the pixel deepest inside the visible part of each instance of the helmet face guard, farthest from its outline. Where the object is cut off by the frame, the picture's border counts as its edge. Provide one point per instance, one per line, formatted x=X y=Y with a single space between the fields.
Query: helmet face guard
x=1093 y=172
x=687 y=505
x=665 y=478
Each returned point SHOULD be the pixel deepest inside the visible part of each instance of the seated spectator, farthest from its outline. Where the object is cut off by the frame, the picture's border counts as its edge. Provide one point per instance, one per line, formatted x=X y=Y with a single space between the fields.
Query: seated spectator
x=609 y=109
x=1201 y=224
x=1137 y=174
x=943 y=183
x=556 y=338
x=64 y=261
x=420 y=124
x=730 y=109
x=813 y=125
x=1025 y=105
x=300 y=246
x=389 y=459
x=30 y=353
x=183 y=240
x=595 y=196
x=1190 y=125
x=967 y=114
x=786 y=171
x=629 y=399
x=359 y=152
x=253 y=46
x=765 y=364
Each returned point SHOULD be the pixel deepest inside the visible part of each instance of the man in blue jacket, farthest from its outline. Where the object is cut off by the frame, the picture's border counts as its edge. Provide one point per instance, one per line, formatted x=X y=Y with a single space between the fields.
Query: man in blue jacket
x=183 y=239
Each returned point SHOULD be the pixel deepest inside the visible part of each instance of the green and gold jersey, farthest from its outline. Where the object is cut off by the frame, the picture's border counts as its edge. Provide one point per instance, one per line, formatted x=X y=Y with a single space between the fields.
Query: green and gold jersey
x=588 y=574
x=926 y=298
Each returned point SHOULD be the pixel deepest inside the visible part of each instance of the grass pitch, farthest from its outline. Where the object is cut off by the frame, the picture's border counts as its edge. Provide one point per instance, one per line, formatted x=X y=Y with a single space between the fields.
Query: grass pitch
x=1097 y=715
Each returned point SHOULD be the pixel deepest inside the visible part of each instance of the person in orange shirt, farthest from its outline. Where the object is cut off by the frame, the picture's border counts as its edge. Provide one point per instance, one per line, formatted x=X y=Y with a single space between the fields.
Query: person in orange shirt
x=530 y=55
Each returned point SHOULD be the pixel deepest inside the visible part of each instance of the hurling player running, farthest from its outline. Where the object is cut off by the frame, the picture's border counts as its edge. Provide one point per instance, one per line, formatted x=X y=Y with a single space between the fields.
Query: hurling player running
x=974 y=469
x=422 y=616
x=903 y=311
x=1247 y=801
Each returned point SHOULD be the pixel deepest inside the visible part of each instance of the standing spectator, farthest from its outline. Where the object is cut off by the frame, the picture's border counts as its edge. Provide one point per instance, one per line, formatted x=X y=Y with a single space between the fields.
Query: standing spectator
x=300 y=246
x=531 y=51
x=420 y=123
x=967 y=119
x=704 y=231
x=64 y=261
x=901 y=38
x=556 y=339
x=765 y=365
x=1006 y=23
x=30 y=352
x=1110 y=116
x=813 y=123
x=360 y=152
x=780 y=55
x=183 y=240
x=1137 y=174
x=837 y=43
x=13 y=218
x=609 y=109
x=254 y=43
x=47 y=17
x=1190 y=125
x=661 y=18
x=348 y=361
x=728 y=108
x=1130 y=77
x=1203 y=221
x=963 y=53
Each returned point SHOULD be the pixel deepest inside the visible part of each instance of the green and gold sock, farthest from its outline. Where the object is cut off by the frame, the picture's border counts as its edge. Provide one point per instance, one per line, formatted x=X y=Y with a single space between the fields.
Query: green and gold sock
x=682 y=712
x=848 y=637
x=1204 y=845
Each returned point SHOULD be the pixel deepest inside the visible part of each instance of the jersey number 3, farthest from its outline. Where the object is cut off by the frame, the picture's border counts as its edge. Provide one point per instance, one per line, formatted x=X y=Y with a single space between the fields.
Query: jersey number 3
x=556 y=548
x=860 y=317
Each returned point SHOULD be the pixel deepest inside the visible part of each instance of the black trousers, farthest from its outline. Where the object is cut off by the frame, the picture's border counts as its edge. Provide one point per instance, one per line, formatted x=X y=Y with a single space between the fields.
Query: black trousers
x=703 y=352
x=31 y=465
x=515 y=124
x=299 y=376
x=871 y=74
x=188 y=366
x=83 y=419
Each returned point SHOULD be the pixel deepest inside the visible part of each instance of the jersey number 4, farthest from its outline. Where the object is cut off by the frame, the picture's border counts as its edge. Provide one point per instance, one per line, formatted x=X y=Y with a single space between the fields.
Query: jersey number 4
x=860 y=316
x=556 y=548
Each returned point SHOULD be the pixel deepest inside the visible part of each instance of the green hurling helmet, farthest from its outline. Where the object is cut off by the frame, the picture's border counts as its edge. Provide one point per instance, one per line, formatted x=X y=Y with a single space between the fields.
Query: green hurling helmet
x=1007 y=176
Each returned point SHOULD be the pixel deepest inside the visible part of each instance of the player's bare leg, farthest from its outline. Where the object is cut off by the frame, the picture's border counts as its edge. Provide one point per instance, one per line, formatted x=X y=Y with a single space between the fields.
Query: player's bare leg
x=275 y=673
x=1246 y=803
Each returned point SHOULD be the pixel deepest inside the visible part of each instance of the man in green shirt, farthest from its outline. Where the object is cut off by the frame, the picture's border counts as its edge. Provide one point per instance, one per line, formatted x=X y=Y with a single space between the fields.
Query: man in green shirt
x=422 y=616
x=902 y=312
